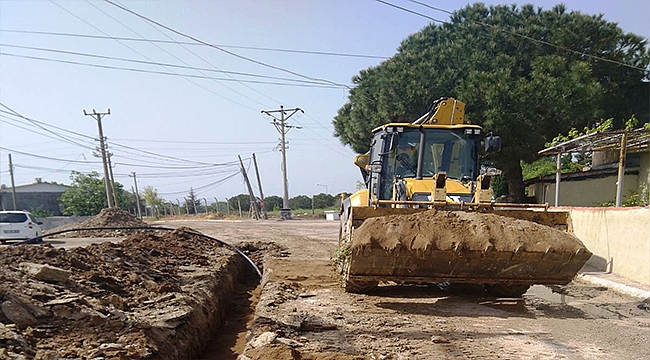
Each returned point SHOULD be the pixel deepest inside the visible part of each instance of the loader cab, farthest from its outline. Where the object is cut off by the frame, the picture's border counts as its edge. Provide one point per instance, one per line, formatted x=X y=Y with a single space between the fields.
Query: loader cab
x=396 y=148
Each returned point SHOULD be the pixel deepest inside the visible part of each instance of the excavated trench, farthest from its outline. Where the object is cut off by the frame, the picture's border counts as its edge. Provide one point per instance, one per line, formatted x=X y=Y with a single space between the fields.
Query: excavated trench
x=171 y=295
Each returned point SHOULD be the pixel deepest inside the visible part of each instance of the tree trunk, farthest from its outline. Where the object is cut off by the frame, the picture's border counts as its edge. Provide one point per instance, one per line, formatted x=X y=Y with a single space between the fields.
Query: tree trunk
x=515 y=179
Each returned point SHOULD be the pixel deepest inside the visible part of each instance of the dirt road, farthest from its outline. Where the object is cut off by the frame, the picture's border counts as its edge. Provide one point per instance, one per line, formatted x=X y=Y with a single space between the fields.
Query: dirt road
x=304 y=314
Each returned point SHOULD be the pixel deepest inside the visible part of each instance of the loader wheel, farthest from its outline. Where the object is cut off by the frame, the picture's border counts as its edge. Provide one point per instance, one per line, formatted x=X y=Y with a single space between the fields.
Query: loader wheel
x=360 y=287
x=507 y=290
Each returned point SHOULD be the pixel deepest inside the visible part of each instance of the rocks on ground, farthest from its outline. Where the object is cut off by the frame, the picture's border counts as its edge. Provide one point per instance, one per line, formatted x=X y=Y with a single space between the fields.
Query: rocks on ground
x=146 y=297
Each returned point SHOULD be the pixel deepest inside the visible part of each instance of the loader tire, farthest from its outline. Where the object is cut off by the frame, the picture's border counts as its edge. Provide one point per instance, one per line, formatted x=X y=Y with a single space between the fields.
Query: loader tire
x=507 y=290
x=360 y=287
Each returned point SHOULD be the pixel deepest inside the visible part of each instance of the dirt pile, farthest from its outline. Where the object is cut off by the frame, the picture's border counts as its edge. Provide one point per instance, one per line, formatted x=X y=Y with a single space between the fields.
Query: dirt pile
x=112 y=217
x=459 y=230
x=150 y=296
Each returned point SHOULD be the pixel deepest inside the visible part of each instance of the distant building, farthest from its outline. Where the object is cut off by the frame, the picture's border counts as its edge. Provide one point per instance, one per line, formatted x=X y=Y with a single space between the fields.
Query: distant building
x=595 y=185
x=30 y=197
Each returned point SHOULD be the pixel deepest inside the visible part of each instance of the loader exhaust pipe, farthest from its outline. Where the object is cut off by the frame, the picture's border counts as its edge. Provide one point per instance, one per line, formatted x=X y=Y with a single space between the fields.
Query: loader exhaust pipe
x=423 y=139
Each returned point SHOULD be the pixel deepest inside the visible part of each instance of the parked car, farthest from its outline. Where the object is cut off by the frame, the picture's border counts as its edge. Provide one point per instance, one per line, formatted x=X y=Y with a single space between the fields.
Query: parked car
x=18 y=225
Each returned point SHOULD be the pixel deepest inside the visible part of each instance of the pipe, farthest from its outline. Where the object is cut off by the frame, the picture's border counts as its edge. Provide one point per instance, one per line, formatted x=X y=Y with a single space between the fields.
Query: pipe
x=40 y=237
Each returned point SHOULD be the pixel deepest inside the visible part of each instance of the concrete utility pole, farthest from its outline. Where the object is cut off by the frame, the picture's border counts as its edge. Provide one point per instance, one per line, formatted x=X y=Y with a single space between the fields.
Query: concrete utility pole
x=13 y=184
x=251 y=195
x=110 y=172
x=259 y=185
x=98 y=116
x=137 y=194
x=326 y=189
x=283 y=128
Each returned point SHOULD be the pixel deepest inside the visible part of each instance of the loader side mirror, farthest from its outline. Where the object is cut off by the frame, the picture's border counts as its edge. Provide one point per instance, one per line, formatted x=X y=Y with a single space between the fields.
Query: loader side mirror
x=492 y=143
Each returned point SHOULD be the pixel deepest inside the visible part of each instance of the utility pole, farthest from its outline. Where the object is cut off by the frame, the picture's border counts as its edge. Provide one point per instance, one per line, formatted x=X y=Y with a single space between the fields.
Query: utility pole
x=283 y=128
x=251 y=195
x=110 y=171
x=137 y=194
x=13 y=184
x=259 y=185
x=98 y=116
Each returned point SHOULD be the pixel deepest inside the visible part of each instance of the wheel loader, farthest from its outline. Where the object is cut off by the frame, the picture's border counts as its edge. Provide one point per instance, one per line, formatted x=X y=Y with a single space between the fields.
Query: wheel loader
x=427 y=215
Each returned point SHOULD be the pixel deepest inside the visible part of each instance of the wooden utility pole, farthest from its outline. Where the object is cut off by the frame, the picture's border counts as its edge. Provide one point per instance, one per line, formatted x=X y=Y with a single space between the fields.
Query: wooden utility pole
x=13 y=184
x=253 y=205
x=283 y=128
x=259 y=185
x=137 y=194
x=98 y=116
x=621 y=170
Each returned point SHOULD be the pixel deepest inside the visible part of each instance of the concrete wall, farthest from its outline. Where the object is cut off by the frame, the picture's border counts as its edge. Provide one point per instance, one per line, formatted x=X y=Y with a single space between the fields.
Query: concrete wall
x=31 y=201
x=588 y=192
x=619 y=238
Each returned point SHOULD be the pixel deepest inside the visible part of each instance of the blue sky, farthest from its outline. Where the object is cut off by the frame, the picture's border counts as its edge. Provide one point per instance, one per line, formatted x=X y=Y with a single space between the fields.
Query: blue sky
x=194 y=121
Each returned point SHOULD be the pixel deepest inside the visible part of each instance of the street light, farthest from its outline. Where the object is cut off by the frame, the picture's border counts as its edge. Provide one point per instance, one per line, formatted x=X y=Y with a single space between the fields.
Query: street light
x=326 y=190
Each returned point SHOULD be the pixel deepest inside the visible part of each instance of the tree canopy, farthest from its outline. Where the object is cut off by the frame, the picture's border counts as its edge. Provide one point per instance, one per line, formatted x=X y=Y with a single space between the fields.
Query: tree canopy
x=525 y=90
x=86 y=195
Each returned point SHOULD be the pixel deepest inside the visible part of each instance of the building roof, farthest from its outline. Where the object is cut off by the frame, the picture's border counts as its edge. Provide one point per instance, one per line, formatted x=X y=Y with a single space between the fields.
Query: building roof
x=36 y=187
x=582 y=175
x=638 y=140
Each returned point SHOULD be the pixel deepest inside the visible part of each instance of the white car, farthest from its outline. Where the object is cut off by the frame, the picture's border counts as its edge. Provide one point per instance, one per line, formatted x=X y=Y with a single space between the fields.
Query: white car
x=18 y=225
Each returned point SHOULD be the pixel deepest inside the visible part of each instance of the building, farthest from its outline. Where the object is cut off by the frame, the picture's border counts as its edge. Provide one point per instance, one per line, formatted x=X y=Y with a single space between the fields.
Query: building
x=38 y=195
x=598 y=184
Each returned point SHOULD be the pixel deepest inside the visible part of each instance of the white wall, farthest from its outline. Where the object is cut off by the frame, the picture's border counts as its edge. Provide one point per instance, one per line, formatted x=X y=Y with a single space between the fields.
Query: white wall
x=619 y=238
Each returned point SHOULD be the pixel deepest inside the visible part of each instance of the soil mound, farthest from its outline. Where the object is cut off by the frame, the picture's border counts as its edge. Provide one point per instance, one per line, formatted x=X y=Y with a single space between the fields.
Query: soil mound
x=472 y=231
x=106 y=218
x=135 y=299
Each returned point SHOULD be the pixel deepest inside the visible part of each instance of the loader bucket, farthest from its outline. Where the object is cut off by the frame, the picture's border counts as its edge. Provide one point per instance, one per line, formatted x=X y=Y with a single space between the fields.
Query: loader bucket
x=512 y=248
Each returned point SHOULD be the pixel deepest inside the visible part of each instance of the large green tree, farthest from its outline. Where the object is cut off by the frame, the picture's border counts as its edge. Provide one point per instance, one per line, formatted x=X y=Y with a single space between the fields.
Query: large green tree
x=524 y=90
x=86 y=194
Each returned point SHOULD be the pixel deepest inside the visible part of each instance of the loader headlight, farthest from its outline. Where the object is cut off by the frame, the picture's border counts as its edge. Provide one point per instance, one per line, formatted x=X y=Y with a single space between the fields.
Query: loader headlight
x=375 y=168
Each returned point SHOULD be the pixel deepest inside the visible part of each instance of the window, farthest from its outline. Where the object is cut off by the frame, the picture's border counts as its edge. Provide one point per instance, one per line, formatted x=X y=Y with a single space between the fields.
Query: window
x=13 y=218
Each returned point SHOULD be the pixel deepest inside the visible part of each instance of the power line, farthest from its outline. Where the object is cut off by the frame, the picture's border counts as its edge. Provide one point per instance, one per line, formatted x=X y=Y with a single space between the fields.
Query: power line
x=14 y=113
x=220 y=48
x=38 y=125
x=167 y=73
x=200 y=142
x=158 y=64
x=50 y=158
x=174 y=56
x=324 y=53
x=144 y=56
x=205 y=187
